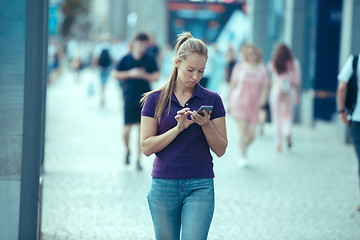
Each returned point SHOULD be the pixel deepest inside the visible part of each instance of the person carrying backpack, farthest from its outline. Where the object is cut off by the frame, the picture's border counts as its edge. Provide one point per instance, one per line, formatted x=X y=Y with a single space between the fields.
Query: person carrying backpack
x=103 y=60
x=346 y=99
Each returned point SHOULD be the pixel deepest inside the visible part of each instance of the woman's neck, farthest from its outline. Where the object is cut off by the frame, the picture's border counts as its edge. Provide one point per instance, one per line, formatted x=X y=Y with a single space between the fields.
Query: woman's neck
x=183 y=93
x=182 y=90
x=251 y=63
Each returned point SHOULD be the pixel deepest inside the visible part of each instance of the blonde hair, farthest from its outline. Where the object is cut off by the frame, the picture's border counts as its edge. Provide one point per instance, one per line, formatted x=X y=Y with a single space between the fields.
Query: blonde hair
x=245 y=48
x=185 y=45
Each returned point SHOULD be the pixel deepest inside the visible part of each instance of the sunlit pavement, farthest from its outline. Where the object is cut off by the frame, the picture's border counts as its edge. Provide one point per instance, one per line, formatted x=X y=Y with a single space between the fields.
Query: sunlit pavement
x=309 y=192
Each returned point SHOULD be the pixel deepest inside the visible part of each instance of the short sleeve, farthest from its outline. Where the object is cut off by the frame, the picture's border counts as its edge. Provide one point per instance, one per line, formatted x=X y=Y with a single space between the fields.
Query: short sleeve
x=152 y=65
x=346 y=71
x=218 y=110
x=121 y=65
x=148 y=109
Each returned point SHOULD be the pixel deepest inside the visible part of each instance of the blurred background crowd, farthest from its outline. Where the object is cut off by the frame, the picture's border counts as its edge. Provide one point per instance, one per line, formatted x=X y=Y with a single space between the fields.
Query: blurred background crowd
x=313 y=34
x=312 y=29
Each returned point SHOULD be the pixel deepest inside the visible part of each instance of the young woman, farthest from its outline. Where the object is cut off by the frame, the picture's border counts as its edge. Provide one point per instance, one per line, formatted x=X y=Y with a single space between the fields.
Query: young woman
x=285 y=92
x=248 y=95
x=182 y=190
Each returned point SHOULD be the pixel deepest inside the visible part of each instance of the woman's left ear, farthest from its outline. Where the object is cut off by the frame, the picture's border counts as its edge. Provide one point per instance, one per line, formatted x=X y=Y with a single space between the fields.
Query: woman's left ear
x=176 y=63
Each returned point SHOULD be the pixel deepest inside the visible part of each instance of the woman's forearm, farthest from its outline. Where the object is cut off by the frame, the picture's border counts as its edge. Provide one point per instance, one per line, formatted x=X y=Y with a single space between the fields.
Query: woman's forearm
x=216 y=141
x=157 y=143
x=120 y=75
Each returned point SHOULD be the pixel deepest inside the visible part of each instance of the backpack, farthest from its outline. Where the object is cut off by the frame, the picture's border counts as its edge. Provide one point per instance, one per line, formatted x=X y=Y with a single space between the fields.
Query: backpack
x=104 y=58
x=352 y=88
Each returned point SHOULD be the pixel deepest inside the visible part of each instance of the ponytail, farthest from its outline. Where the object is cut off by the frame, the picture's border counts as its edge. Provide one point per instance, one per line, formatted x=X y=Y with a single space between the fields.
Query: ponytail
x=181 y=39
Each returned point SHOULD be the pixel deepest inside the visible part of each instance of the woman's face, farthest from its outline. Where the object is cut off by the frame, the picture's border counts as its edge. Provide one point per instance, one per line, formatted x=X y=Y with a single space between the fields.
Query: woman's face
x=251 y=55
x=191 y=69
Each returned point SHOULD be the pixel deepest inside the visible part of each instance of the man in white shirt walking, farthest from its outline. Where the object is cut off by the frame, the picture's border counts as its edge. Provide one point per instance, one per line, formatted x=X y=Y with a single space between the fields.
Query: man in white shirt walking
x=351 y=118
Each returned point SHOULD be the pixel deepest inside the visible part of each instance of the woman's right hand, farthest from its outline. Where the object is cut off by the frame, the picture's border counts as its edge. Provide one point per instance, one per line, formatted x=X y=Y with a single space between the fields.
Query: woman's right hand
x=182 y=119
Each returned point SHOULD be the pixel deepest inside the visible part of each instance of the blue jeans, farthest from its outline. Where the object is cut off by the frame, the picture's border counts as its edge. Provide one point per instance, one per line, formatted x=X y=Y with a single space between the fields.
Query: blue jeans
x=104 y=75
x=186 y=204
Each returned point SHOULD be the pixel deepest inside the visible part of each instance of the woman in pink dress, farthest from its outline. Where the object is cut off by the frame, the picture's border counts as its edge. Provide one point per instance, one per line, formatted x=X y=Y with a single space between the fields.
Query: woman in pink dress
x=248 y=95
x=285 y=92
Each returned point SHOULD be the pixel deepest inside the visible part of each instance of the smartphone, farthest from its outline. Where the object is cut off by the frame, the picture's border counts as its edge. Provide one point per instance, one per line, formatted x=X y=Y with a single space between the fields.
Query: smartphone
x=206 y=108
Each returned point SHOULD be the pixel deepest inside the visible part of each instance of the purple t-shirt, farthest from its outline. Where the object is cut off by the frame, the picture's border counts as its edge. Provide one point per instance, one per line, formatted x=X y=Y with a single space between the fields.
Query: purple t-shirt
x=188 y=155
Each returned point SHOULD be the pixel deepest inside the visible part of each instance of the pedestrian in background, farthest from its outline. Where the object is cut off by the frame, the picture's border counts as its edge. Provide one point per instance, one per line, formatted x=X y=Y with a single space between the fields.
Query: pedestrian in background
x=350 y=116
x=249 y=86
x=231 y=61
x=71 y=50
x=75 y=54
x=135 y=72
x=285 y=92
x=181 y=196
x=54 y=59
x=218 y=76
x=103 y=60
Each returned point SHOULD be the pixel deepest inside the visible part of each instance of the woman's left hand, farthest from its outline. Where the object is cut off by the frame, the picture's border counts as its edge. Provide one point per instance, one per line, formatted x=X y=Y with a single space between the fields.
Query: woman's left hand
x=199 y=119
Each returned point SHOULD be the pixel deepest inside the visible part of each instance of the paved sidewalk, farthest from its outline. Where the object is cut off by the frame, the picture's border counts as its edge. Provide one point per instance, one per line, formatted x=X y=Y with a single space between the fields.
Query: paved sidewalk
x=308 y=193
